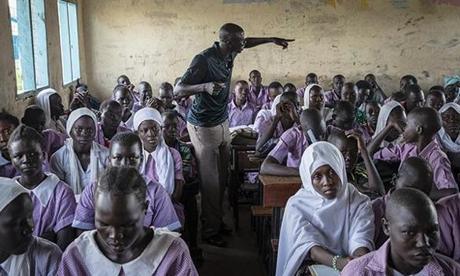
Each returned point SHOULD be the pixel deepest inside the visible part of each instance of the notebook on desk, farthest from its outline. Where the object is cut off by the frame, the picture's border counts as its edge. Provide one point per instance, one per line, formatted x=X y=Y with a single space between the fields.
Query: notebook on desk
x=322 y=270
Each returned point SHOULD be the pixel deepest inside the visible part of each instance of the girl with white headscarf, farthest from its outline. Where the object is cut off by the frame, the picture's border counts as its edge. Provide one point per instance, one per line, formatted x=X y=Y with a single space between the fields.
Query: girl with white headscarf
x=327 y=220
x=449 y=143
x=22 y=253
x=65 y=163
x=43 y=101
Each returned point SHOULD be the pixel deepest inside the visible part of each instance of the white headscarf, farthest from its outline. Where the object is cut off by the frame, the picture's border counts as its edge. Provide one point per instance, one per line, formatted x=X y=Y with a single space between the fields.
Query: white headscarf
x=340 y=225
x=43 y=101
x=445 y=139
x=267 y=115
x=164 y=161
x=385 y=111
x=95 y=157
x=306 y=97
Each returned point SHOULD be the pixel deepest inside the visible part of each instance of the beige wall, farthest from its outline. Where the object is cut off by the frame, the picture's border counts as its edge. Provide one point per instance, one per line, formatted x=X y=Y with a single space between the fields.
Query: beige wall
x=155 y=40
x=8 y=99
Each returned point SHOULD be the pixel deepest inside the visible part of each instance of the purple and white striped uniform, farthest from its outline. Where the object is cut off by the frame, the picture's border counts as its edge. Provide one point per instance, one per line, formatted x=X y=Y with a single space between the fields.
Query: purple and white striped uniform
x=164 y=255
x=243 y=116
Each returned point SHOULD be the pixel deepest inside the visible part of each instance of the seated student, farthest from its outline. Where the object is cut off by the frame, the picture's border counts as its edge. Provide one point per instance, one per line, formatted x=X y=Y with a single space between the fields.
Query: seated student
x=160 y=162
x=122 y=95
x=415 y=97
x=168 y=103
x=144 y=89
x=364 y=93
x=81 y=159
x=343 y=118
x=452 y=93
x=406 y=81
x=53 y=200
x=121 y=244
x=448 y=213
x=35 y=118
x=310 y=78
x=334 y=95
x=350 y=94
x=274 y=89
x=364 y=176
x=314 y=98
x=327 y=221
x=289 y=87
x=415 y=173
x=419 y=136
x=123 y=80
x=82 y=98
x=372 y=114
x=8 y=123
x=411 y=223
x=126 y=150
x=271 y=124
x=21 y=253
x=258 y=94
x=50 y=101
x=111 y=113
x=449 y=134
x=377 y=92
x=435 y=99
x=284 y=158
x=240 y=111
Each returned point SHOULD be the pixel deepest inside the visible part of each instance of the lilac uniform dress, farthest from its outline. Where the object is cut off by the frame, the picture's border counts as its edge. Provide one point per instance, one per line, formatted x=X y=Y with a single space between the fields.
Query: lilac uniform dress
x=165 y=255
x=448 y=209
x=376 y=264
x=378 y=206
x=101 y=140
x=290 y=147
x=54 y=205
x=241 y=117
x=331 y=98
x=43 y=257
x=258 y=100
x=6 y=168
x=52 y=141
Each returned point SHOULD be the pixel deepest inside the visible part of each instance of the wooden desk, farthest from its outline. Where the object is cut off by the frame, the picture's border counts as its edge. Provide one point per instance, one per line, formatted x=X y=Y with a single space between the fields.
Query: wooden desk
x=278 y=189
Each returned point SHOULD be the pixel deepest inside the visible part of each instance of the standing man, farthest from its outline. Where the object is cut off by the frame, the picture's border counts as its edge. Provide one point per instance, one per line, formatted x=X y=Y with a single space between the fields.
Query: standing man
x=208 y=78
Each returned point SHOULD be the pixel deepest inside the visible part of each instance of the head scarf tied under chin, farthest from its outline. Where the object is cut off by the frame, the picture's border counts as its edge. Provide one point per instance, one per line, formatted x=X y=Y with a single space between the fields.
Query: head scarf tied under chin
x=340 y=225
x=164 y=162
x=74 y=168
x=43 y=101
x=306 y=97
x=446 y=141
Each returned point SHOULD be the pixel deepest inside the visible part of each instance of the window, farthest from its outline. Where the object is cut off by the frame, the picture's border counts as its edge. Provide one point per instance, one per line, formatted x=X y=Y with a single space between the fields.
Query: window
x=68 y=29
x=29 y=44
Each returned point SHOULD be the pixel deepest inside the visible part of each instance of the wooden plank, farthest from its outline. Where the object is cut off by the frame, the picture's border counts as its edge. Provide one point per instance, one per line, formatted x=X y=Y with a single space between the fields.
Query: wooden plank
x=278 y=189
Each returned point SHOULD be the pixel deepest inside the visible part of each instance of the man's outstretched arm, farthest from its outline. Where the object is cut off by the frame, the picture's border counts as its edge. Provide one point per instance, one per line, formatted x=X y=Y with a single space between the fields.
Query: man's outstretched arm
x=256 y=41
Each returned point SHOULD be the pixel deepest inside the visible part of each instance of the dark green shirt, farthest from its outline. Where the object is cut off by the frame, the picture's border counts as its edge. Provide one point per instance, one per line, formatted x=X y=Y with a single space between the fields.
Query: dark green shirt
x=209 y=66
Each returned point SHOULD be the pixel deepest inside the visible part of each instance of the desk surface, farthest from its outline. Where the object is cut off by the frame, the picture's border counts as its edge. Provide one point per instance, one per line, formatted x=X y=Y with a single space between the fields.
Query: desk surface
x=278 y=189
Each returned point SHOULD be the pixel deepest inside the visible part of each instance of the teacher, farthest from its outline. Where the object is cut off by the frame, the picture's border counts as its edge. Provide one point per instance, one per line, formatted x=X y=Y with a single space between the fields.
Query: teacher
x=208 y=78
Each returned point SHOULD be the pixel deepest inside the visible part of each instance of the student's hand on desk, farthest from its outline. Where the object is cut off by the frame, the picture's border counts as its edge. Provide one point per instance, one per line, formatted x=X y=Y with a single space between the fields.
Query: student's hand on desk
x=213 y=88
x=282 y=42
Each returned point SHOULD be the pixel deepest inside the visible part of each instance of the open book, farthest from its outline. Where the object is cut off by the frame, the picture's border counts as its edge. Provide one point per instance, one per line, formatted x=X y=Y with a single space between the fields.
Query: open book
x=322 y=270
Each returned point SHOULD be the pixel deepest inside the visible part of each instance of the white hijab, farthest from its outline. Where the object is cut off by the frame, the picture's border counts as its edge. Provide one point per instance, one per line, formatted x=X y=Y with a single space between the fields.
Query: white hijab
x=306 y=97
x=268 y=115
x=340 y=225
x=43 y=101
x=382 y=120
x=10 y=190
x=445 y=139
x=95 y=157
x=164 y=161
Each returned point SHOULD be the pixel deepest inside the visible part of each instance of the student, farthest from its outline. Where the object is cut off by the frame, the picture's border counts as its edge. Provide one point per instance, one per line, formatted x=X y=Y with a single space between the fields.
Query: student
x=167 y=95
x=343 y=118
x=314 y=98
x=449 y=134
x=284 y=158
x=122 y=95
x=435 y=99
x=377 y=92
x=8 y=123
x=274 y=89
x=81 y=159
x=111 y=113
x=121 y=244
x=372 y=114
x=53 y=200
x=21 y=253
x=310 y=78
x=349 y=93
x=123 y=80
x=452 y=93
x=415 y=173
x=82 y=98
x=35 y=118
x=241 y=111
x=415 y=97
x=144 y=89
x=334 y=95
x=258 y=94
x=364 y=93
x=406 y=81
x=126 y=150
x=289 y=87
x=50 y=101
x=281 y=117
x=448 y=209
x=411 y=223
x=327 y=221
x=422 y=125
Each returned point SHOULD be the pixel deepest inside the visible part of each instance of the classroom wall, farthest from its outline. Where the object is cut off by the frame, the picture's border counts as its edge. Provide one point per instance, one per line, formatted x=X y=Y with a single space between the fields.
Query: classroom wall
x=156 y=40
x=8 y=100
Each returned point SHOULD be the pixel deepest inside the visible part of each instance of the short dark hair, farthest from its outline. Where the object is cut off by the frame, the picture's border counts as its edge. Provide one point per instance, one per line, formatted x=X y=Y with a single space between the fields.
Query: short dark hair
x=362 y=84
x=242 y=82
x=25 y=133
x=166 y=86
x=122 y=181
x=7 y=117
x=31 y=113
x=409 y=77
x=275 y=85
x=119 y=87
x=127 y=138
x=105 y=104
x=428 y=118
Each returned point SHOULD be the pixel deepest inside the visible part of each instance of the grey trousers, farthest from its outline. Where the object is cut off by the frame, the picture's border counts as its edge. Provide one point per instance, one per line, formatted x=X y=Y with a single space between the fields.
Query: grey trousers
x=212 y=148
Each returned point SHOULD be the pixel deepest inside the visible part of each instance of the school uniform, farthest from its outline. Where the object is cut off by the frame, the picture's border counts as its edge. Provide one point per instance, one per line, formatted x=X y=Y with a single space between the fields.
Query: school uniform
x=290 y=147
x=165 y=254
x=258 y=100
x=448 y=209
x=376 y=264
x=6 y=168
x=267 y=105
x=243 y=116
x=53 y=205
x=129 y=123
x=52 y=141
x=326 y=112
x=43 y=101
x=331 y=98
x=301 y=92
x=264 y=119
x=449 y=145
x=432 y=153
x=100 y=138
x=378 y=206
x=160 y=211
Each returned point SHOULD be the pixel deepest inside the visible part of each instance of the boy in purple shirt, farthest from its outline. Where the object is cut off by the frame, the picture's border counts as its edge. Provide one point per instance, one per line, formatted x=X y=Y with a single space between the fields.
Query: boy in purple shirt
x=411 y=223
x=258 y=94
x=145 y=95
x=121 y=243
x=334 y=95
x=448 y=213
x=241 y=111
x=126 y=150
x=123 y=96
x=415 y=97
x=53 y=200
x=109 y=125
x=311 y=78
x=419 y=135
x=435 y=99
x=274 y=89
x=8 y=123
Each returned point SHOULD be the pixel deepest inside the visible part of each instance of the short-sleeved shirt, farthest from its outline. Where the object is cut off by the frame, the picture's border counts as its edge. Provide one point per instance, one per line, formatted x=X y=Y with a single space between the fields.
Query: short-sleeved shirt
x=331 y=98
x=290 y=147
x=448 y=209
x=241 y=116
x=52 y=141
x=260 y=99
x=209 y=66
